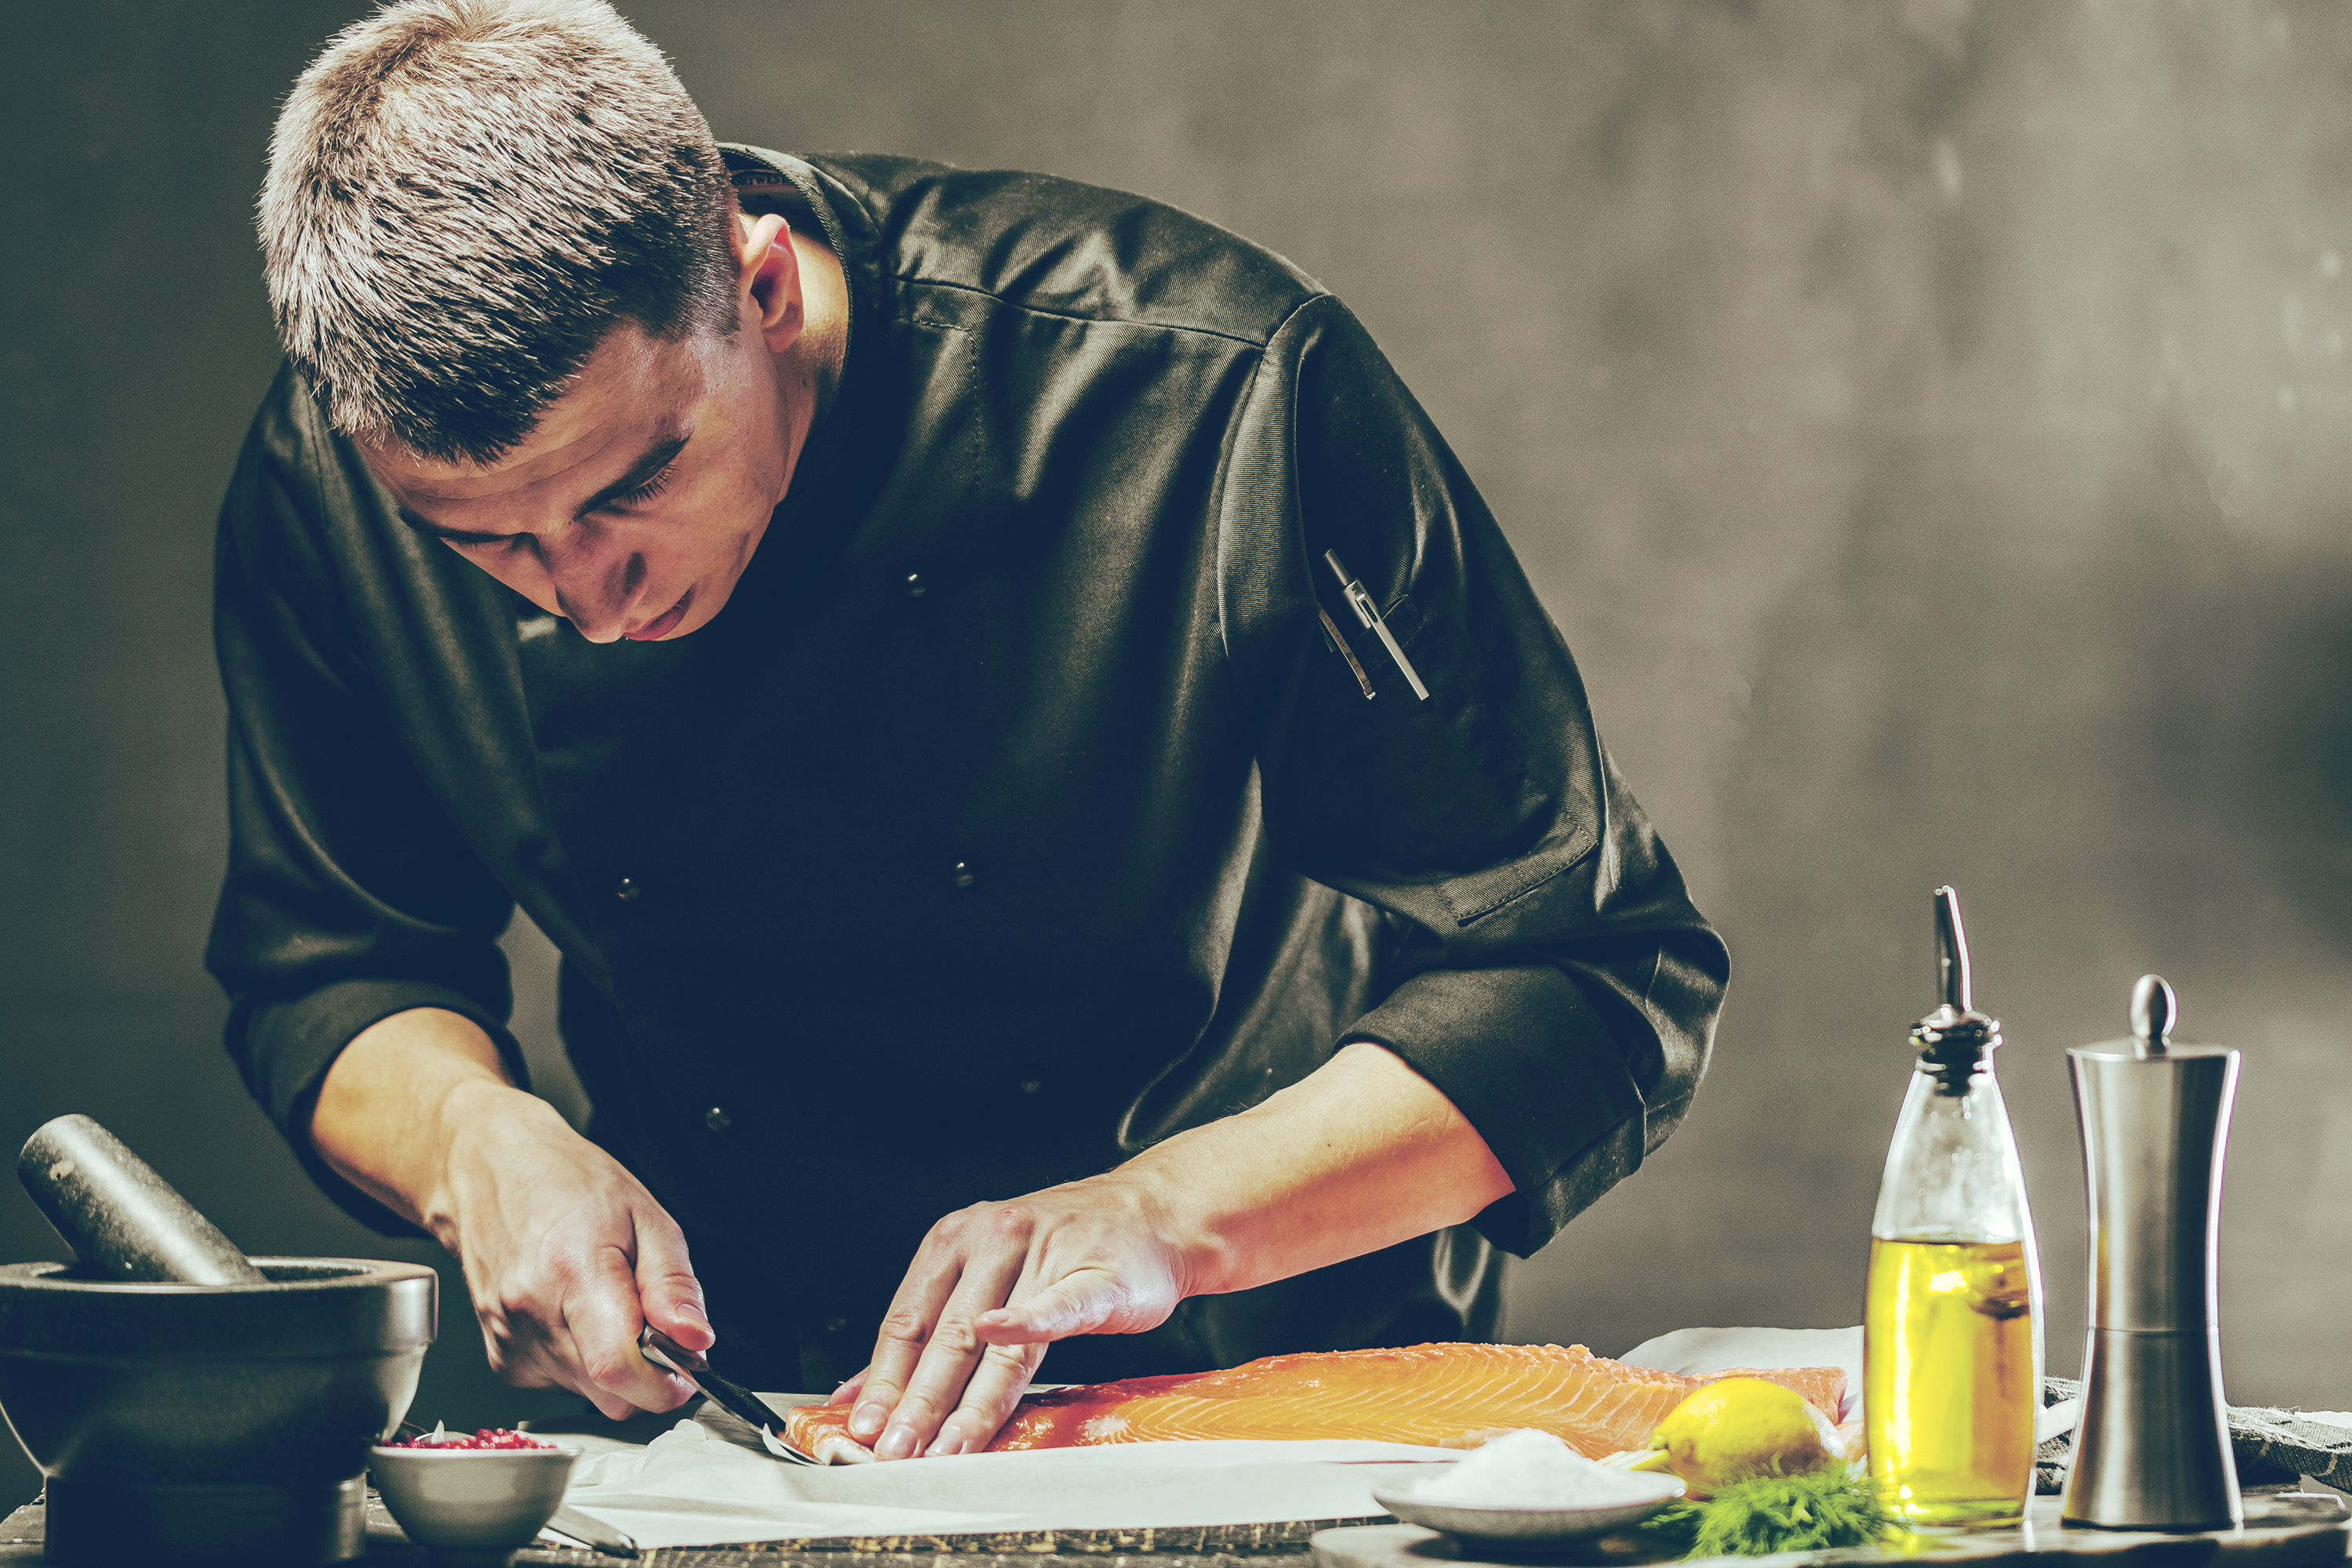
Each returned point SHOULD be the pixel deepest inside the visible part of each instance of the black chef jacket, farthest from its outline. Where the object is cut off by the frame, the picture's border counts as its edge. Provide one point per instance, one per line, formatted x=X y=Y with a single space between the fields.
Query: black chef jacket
x=1017 y=811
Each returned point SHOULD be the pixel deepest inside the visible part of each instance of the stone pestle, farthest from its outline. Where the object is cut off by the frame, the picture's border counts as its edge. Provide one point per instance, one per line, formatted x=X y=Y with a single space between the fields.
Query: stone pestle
x=122 y=1220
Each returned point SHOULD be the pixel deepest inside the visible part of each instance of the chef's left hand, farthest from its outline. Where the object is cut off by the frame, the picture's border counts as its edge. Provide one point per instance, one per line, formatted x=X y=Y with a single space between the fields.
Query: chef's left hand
x=992 y=1285
x=1360 y=1154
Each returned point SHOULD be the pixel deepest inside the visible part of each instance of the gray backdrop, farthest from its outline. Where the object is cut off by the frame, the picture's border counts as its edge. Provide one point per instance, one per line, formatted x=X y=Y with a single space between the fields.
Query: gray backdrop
x=1927 y=422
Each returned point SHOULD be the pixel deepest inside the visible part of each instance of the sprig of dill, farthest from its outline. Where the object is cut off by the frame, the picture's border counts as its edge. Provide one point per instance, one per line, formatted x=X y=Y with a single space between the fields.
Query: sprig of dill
x=1776 y=1513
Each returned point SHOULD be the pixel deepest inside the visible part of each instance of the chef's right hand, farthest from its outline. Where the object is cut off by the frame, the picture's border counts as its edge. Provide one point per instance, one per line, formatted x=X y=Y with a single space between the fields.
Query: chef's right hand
x=566 y=1255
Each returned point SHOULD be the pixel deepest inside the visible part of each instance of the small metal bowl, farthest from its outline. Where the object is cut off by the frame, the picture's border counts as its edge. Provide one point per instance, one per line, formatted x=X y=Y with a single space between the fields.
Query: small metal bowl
x=1528 y=1528
x=472 y=1506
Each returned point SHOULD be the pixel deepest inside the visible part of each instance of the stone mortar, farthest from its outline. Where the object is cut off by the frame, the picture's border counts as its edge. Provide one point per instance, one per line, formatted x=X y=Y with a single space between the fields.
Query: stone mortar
x=211 y=1422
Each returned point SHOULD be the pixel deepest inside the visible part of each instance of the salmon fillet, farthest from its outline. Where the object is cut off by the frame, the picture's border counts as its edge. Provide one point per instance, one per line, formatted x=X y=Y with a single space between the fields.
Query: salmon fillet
x=1822 y=1387
x=1442 y=1395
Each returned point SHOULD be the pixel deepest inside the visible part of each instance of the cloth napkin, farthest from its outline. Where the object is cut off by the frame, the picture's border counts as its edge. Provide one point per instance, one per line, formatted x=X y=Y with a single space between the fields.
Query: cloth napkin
x=2270 y=1445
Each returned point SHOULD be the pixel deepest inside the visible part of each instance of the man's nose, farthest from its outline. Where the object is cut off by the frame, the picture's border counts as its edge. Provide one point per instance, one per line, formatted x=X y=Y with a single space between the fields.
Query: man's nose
x=596 y=583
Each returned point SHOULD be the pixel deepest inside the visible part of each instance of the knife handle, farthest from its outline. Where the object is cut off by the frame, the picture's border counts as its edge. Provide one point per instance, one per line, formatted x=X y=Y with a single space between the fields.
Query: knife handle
x=669 y=1355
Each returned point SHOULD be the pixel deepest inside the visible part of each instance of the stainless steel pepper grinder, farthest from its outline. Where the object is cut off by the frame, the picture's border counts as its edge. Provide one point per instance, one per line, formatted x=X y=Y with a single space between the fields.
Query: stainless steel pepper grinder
x=2152 y=1450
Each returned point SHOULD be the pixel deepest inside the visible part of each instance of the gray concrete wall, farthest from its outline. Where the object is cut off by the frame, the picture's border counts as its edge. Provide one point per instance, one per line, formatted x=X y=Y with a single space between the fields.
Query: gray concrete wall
x=1927 y=422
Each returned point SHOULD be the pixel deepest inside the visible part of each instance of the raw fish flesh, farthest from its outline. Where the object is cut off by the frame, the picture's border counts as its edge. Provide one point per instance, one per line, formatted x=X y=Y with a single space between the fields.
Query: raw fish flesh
x=1822 y=1387
x=1450 y=1395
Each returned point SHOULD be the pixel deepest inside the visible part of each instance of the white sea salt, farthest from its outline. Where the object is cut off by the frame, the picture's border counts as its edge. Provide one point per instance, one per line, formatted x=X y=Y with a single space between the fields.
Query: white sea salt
x=1534 y=1469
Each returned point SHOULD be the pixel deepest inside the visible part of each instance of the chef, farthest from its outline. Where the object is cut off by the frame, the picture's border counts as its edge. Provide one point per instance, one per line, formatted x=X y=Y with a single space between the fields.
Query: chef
x=1064 y=822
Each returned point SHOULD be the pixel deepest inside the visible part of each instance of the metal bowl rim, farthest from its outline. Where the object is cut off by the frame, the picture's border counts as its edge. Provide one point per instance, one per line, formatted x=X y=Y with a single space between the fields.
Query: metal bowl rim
x=364 y=1273
x=560 y=1451
x=1503 y=1521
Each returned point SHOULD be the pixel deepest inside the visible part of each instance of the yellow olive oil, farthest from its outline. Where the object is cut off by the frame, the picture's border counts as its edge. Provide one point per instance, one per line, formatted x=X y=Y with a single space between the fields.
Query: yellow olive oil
x=1949 y=1381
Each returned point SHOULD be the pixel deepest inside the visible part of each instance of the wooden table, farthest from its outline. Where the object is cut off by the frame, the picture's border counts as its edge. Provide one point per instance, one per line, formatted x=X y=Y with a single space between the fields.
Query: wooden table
x=1218 y=1546
x=2279 y=1534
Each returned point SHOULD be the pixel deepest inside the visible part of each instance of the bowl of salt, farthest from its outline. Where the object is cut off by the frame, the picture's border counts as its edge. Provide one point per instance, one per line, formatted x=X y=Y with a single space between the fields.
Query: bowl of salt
x=1529 y=1489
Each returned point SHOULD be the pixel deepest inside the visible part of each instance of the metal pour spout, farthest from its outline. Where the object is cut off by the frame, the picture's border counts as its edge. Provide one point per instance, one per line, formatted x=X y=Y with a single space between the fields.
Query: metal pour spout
x=1951 y=952
x=1954 y=1041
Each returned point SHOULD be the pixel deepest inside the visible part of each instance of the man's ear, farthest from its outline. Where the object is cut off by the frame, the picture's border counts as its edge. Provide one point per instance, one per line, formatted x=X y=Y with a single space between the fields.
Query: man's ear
x=768 y=278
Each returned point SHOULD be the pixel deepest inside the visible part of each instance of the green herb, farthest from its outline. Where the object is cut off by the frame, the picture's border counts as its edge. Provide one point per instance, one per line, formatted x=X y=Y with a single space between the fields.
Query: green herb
x=1776 y=1513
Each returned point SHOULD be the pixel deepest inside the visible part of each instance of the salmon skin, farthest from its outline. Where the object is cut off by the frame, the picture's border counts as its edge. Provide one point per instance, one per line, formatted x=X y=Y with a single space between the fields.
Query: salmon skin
x=1447 y=1395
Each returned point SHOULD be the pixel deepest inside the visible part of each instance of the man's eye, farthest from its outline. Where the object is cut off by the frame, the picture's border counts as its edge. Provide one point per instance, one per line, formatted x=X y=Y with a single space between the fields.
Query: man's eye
x=505 y=544
x=647 y=491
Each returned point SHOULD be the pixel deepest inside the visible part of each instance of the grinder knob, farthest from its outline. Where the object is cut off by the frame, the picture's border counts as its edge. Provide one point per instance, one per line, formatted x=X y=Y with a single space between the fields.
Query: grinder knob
x=121 y=1219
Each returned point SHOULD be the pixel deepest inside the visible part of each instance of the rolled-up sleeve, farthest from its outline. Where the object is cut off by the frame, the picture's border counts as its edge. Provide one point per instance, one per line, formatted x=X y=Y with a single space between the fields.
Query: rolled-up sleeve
x=1557 y=985
x=348 y=896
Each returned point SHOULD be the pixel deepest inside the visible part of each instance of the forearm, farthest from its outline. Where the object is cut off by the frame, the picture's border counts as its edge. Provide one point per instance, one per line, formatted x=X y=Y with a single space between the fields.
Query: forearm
x=394 y=1099
x=566 y=1255
x=1362 y=1153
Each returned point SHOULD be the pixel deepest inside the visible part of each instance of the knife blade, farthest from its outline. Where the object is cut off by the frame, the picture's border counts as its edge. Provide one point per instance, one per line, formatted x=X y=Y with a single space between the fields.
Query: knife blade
x=591 y=1533
x=732 y=1397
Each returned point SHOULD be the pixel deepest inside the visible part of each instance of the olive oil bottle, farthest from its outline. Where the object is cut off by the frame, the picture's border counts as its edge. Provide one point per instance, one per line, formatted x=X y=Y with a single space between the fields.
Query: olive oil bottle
x=1952 y=1307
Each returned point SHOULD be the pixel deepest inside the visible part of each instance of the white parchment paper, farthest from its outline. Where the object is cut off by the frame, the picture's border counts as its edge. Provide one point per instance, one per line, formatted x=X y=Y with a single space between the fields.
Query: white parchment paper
x=696 y=1485
x=1697 y=1352
x=707 y=1482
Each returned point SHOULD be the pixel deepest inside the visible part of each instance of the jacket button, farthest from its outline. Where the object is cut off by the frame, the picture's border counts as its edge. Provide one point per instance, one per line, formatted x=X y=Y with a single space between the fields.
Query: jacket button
x=836 y=1325
x=717 y=1118
x=628 y=891
x=1032 y=1085
x=962 y=875
x=916 y=586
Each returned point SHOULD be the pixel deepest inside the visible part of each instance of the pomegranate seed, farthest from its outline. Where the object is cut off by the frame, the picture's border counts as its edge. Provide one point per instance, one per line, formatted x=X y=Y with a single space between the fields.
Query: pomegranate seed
x=489 y=1437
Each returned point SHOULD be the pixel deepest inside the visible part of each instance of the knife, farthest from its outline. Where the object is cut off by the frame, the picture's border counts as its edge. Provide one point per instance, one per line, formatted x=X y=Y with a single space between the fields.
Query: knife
x=732 y=1397
x=591 y=1533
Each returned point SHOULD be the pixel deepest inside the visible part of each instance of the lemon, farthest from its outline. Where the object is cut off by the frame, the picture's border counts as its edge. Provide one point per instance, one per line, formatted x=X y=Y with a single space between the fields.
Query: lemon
x=1738 y=1428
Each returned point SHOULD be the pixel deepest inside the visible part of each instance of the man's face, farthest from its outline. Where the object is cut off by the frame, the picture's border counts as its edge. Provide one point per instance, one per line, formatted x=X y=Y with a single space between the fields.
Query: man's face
x=633 y=506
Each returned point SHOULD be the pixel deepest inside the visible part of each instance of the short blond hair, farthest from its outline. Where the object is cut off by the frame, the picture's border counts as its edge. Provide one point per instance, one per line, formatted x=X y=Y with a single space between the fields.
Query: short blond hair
x=463 y=196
